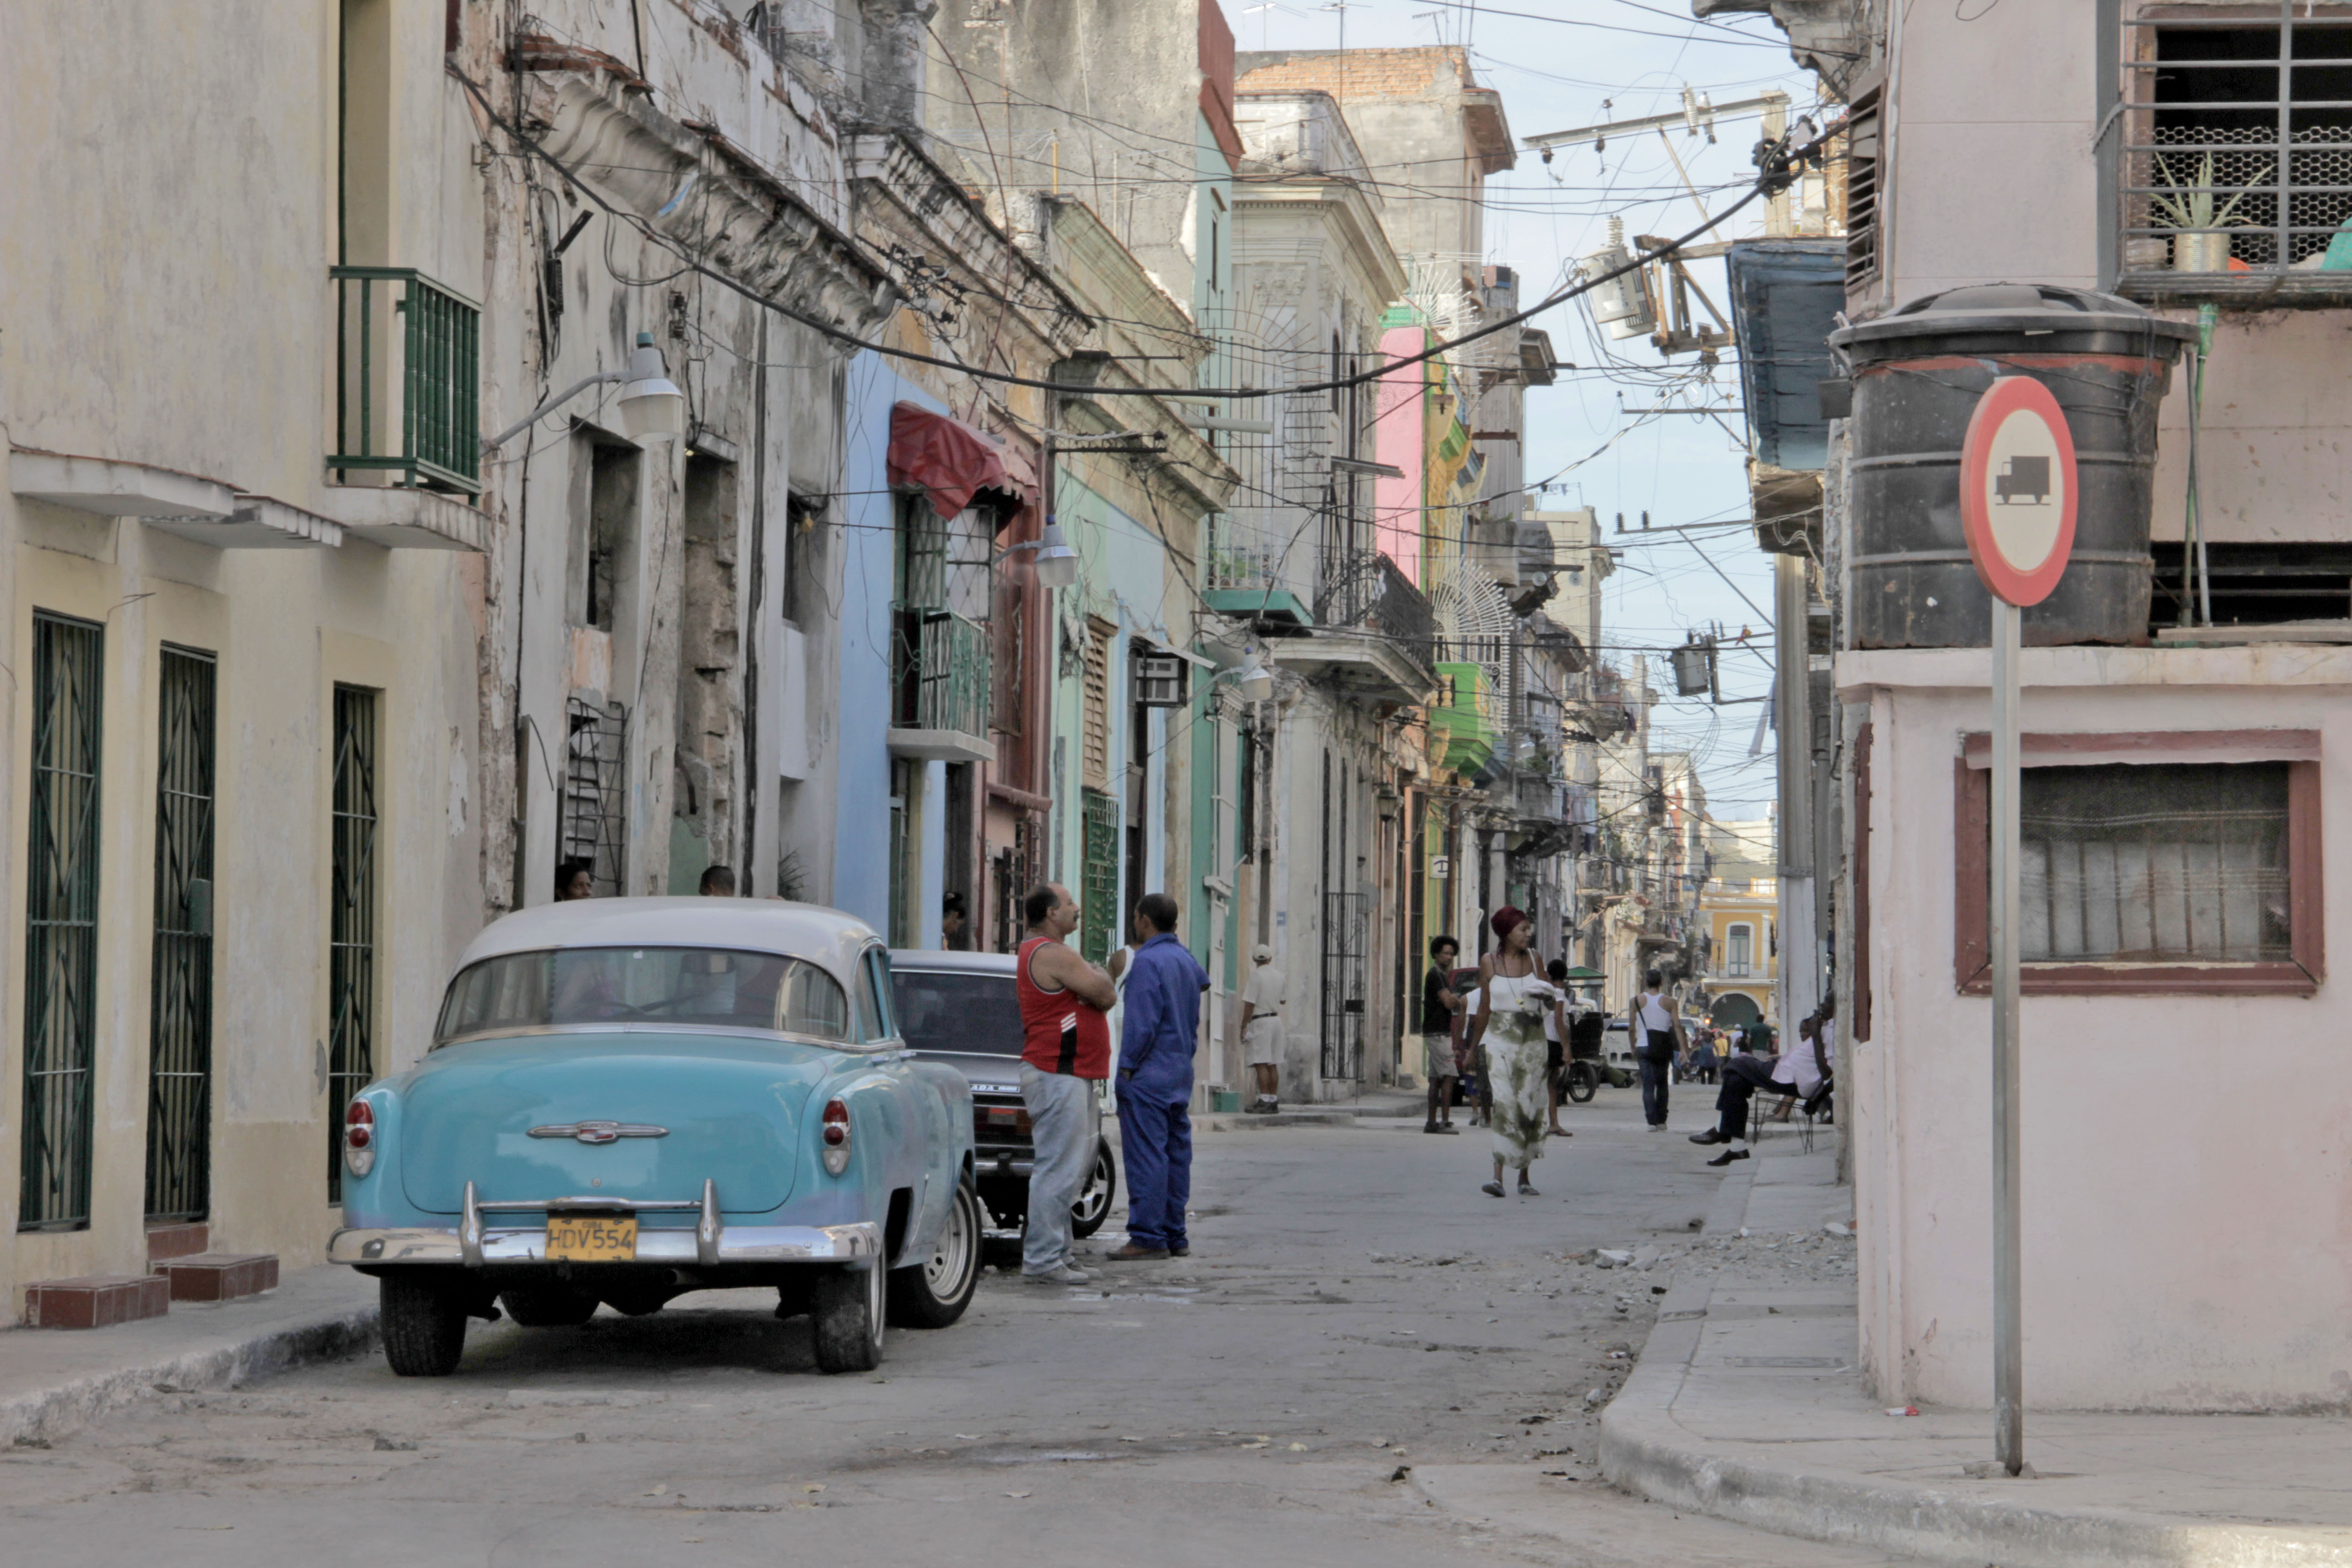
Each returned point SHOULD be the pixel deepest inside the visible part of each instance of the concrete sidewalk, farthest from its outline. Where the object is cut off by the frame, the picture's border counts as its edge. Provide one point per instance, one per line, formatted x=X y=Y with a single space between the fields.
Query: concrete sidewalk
x=53 y=1381
x=1747 y=1404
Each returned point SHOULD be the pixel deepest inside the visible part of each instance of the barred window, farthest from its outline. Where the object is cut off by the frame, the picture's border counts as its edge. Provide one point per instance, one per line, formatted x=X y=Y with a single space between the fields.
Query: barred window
x=2238 y=146
x=2148 y=863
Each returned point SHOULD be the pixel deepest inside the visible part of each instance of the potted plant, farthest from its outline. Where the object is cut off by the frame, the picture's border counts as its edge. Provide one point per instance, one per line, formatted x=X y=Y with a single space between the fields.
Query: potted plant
x=2200 y=221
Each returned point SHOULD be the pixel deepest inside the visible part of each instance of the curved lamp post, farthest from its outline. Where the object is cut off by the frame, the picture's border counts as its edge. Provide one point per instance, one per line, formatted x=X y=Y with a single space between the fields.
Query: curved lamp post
x=650 y=405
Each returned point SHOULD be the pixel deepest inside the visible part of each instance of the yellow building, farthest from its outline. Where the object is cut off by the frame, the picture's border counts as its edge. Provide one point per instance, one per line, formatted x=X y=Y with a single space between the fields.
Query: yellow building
x=1743 y=957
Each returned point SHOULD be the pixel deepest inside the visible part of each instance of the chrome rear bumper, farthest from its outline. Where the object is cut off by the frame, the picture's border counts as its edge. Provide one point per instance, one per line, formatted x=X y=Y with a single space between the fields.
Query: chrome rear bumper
x=473 y=1243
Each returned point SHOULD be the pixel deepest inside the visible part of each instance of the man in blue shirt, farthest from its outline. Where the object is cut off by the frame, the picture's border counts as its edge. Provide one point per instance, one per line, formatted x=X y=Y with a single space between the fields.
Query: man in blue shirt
x=1161 y=1024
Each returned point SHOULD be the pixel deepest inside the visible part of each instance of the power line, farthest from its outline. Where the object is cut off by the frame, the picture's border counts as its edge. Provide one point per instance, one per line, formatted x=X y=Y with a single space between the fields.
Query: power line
x=1776 y=162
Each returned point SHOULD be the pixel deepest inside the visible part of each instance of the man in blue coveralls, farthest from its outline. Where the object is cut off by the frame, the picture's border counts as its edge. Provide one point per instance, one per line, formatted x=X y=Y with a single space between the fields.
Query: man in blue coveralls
x=1155 y=1083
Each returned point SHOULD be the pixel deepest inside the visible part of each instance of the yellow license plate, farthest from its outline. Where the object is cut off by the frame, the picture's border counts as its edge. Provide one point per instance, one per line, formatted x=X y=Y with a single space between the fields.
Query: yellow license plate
x=592 y=1238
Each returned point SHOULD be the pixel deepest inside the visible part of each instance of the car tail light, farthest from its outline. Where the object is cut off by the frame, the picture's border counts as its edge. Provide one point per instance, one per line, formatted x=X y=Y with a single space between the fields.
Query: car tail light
x=836 y=1137
x=359 y=1139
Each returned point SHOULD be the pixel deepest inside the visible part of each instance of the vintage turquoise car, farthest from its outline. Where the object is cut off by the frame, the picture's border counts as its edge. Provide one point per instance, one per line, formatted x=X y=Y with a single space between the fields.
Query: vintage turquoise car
x=630 y=1099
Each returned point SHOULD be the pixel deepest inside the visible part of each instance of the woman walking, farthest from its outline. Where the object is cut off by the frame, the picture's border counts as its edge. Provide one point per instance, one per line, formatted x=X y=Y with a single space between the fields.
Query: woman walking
x=1513 y=998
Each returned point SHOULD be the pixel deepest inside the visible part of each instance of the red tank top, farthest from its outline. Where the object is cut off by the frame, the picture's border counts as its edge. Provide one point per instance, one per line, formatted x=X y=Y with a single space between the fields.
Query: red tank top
x=1058 y=1032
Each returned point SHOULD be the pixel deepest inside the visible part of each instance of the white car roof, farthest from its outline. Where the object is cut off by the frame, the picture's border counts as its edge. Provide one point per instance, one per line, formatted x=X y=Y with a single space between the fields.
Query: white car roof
x=825 y=937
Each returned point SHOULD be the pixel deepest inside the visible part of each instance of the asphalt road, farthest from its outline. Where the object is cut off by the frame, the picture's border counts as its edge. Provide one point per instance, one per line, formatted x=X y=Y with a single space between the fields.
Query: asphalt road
x=1365 y=1362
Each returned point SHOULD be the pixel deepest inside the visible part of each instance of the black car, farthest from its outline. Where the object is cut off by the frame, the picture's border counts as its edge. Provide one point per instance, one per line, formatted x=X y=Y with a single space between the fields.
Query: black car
x=960 y=1008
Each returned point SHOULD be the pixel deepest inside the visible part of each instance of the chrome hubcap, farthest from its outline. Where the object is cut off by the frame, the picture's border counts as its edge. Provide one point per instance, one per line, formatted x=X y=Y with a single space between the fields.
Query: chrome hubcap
x=1096 y=1195
x=951 y=1254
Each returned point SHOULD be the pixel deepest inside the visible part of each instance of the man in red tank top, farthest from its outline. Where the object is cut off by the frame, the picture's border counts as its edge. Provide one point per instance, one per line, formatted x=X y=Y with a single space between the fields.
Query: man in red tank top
x=1066 y=1005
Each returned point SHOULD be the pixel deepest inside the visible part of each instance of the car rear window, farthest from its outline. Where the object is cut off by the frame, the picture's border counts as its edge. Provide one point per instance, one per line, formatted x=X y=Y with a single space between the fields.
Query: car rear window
x=977 y=1014
x=689 y=985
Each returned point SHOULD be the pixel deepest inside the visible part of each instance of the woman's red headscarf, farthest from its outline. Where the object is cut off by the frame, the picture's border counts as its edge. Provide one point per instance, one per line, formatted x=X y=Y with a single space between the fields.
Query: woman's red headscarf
x=1505 y=920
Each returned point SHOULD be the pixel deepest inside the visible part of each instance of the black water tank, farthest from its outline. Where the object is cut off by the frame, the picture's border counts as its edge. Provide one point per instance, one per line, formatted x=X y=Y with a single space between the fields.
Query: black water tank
x=1917 y=374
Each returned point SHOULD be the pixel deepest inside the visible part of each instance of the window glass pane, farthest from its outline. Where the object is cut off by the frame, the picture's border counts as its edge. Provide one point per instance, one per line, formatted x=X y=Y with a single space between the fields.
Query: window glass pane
x=980 y=1013
x=878 y=965
x=2155 y=863
x=653 y=984
x=869 y=1016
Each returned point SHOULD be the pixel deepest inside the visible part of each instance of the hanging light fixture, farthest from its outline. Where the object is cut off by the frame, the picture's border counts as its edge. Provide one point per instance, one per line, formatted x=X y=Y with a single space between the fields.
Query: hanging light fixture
x=650 y=404
x=1257 y=683
x=1058 y=564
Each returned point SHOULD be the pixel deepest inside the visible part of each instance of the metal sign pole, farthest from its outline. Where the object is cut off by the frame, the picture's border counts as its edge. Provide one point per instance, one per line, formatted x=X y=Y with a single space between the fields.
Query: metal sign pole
x=2007 y=1352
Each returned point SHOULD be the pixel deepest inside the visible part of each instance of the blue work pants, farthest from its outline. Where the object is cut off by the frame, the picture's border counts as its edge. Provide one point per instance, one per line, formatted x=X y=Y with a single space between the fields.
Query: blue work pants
x=1155 y=1139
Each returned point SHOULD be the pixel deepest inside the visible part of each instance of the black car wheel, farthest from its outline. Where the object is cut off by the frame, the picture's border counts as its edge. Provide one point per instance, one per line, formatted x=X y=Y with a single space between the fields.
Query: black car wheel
x=845 y=1310
x=1093 y=1207
x=933 y=1293
x=424 y=1326
x=1583 y=1081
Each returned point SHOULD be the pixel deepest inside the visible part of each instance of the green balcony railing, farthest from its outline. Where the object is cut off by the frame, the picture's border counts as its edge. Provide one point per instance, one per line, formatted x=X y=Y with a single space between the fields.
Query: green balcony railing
x=946 y=684
x=407 y=379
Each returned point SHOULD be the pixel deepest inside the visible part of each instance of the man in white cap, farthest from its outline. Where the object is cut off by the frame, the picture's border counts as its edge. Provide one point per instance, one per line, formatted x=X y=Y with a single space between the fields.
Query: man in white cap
x=1262 y=1030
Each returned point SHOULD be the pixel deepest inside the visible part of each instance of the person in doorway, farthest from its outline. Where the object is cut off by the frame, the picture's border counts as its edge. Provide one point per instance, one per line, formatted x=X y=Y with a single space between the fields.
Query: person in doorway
x=1440 y=1003
x=1161 y=1027
x=1556 y=1043
x=1655 y=1029
x=574 y=879
x=955 y=923
x=1262 y=1028
x=1066 y=1005
x=1513 y=998
x=718 y=882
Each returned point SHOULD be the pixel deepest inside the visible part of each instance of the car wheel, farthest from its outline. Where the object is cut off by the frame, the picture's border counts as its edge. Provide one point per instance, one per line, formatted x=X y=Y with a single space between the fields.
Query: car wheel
x=845 y=1310
x=424 y=1326
x=547 y=1306
x=1093 y=1207
x=933 y=1293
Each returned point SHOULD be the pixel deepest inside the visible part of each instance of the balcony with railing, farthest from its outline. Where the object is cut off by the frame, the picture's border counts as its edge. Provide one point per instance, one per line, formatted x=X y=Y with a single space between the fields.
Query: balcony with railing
x=942 y=677
x=1250 y=575
x=1372 y=631
x=408 y=381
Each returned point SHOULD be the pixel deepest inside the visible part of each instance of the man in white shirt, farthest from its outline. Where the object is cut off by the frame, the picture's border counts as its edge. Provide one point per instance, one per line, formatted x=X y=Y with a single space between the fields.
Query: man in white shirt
x=1799 y=1071
x=1262 y=1030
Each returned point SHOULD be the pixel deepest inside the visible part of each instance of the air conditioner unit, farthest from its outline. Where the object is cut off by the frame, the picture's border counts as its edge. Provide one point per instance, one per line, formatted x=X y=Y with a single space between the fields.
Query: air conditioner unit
x=1158 y=680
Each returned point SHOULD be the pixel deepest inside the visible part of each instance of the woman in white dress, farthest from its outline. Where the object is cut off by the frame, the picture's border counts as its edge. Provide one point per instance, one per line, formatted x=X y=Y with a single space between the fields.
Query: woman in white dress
x=1513 y=997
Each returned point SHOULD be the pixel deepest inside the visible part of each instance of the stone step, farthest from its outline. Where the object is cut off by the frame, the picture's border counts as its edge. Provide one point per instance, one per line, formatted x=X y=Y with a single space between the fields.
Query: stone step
x=219 y=1276
x=96 y=1301
x=176 y=1239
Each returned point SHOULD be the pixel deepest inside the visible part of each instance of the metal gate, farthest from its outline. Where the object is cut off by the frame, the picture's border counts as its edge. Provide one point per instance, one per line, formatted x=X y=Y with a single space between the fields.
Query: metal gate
x=180 y=994
x=350 y=920
x=1346 y=921
x=1098 y=879
x=61 y=924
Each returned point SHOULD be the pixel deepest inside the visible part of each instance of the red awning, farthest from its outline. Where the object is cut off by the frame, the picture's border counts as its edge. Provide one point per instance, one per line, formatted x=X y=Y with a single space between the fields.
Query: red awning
x=949 y=459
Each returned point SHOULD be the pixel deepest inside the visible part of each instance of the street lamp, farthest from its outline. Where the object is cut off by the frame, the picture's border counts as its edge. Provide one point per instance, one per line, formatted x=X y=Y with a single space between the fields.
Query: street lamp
x=1256 y=682
x=650 y=405
x=1057 y=563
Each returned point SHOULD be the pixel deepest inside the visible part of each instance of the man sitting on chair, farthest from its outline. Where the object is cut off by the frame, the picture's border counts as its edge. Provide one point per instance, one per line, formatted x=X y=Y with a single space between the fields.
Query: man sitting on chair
x=1800 y=1072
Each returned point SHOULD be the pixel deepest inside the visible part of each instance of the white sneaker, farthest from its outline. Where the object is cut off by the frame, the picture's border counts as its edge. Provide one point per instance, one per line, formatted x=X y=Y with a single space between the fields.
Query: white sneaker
x=1060 y=1274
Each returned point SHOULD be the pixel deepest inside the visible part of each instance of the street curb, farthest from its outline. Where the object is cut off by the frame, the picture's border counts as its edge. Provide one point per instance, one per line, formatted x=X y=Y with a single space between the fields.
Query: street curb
x=50 y=1412
x=1240 y=1121
x=1643 y=1449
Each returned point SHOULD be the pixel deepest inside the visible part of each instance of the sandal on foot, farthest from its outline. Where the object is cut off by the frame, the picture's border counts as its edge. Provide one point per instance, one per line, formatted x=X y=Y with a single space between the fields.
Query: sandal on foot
x=1493 y=1189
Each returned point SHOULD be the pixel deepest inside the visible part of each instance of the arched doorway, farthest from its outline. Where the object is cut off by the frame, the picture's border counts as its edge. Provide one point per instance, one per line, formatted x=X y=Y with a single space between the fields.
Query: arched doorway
x=1735 y=1009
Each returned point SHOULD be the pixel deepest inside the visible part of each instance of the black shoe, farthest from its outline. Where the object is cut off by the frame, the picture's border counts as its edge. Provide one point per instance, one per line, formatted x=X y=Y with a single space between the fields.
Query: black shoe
x=1728 y=1156
x=1710 y=1136
x=1437 y=1127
